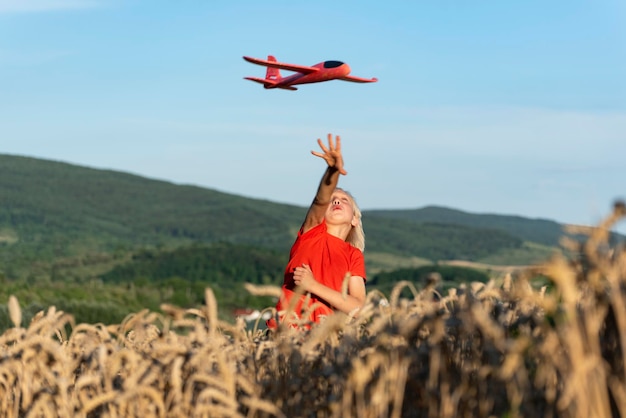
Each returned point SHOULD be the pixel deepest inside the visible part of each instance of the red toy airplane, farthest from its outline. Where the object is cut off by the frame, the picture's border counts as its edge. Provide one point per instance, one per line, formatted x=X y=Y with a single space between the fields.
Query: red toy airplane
x=324 y=71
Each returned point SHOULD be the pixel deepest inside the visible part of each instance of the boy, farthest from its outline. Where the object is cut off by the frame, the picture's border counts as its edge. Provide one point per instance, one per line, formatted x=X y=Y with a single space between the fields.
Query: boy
x=328 y=248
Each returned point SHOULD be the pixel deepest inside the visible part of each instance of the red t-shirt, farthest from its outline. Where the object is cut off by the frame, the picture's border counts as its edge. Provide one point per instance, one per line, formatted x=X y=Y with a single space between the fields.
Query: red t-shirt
x=329 y=257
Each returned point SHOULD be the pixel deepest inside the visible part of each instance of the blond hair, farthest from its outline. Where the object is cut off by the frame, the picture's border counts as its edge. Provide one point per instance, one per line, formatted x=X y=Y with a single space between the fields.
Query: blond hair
x=356 y=236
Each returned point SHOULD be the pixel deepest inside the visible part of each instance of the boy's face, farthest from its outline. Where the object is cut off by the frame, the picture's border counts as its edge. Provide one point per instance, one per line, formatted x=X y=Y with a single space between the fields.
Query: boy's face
x=340 y=209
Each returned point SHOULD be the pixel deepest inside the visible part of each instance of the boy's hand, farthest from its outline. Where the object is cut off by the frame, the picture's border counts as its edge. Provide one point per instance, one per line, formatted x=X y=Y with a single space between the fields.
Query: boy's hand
x=332 y=154
x=303 y=277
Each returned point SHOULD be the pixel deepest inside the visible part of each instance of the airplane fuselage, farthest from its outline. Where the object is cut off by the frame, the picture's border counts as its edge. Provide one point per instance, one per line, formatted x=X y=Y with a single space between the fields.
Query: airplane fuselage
x=329 y=70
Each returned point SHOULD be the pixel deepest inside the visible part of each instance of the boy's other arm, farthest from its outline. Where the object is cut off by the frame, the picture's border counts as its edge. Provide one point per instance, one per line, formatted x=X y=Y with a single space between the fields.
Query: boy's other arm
x=303 y=277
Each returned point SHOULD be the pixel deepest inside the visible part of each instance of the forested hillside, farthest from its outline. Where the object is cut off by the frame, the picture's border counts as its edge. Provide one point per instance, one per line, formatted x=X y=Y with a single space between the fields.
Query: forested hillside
x=222 y=262
x=542 y=231
x=436 y=241
x=53 y=212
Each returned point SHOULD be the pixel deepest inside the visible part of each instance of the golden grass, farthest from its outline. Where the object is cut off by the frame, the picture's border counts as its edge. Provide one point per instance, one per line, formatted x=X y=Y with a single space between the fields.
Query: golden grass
x=482 y=350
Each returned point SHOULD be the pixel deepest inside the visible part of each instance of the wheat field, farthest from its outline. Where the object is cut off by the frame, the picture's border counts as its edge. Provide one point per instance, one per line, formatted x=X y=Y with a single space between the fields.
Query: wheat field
x=501 y=349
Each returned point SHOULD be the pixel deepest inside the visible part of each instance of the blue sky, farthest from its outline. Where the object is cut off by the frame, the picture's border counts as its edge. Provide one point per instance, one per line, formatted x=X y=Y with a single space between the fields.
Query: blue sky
x=508 y=107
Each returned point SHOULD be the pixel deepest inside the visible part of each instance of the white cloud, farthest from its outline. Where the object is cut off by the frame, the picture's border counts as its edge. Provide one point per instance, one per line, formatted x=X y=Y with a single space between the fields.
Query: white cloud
x=35 y=6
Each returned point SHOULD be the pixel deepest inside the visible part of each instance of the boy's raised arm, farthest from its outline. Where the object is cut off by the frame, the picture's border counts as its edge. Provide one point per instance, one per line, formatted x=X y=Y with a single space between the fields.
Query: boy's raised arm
x=328 y=184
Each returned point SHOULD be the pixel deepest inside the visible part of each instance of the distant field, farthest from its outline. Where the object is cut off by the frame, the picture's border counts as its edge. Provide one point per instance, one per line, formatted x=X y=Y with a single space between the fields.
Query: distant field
x=484 y=267
x=530 y=253
x=377 y=262
x=8 y=236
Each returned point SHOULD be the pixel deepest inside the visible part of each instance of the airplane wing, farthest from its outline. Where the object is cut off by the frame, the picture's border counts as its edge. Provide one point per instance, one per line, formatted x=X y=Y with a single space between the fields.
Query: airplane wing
x=283 y=66
x=358 y=79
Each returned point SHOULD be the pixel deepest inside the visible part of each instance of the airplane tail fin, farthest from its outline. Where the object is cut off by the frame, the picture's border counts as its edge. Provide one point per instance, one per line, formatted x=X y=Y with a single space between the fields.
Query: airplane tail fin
x=272 y=73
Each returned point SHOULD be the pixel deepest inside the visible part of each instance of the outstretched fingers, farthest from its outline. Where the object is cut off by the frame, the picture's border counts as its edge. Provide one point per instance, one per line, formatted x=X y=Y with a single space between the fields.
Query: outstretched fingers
x=332 y=153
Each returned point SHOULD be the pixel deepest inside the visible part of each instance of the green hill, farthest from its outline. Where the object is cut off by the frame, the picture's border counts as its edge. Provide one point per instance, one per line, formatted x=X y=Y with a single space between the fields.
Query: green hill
x=541 y=231
x=52 y=211
x=56 y=217
x=102 y=243
x=435 y=241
